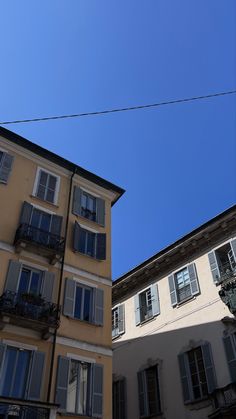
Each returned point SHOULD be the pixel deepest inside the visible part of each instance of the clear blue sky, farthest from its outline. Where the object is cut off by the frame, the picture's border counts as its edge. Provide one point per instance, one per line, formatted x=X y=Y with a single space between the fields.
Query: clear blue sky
x=177 y=163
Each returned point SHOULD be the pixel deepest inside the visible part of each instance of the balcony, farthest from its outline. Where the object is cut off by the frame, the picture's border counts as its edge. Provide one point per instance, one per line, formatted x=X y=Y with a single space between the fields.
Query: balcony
x=227 y=273
x=24 y=409
x=39 y=241
x=29 y=311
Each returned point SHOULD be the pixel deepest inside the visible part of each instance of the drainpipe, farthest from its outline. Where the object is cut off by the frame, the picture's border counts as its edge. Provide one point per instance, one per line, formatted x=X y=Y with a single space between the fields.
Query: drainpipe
x=60 y=288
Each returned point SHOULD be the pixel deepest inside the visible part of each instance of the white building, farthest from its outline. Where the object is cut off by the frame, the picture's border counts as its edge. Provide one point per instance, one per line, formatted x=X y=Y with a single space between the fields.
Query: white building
x=174 y=339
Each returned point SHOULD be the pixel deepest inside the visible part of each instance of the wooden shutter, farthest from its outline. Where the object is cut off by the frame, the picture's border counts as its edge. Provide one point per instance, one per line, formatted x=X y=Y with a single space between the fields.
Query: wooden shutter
x=36 y=375
x=13 y=274
x=2 y=353
x=142 y=394
x=5 y=167
x=56 y=224
x=155 y=300
x=101 y=246
x=76 y=206
x=185 y=377
x=48 y=283
x=121 y=318
x=79 y=238
x=62 y=381
x=69 y=297
x=209 y=367
x=26 y=212
x=193 y=279
x=233 y=247
x=173 y=292
x=214 y=266
x=137 y=309
x=99 y=306
x=97 y=393
x=100 y=213
x=230 y=352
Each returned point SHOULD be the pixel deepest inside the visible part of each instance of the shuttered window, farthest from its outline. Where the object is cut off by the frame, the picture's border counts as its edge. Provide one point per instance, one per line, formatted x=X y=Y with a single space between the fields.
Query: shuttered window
x=79 y=388
x=46 y=186
x=223 y=261
x=88 y=206
x=197 y=373
x=118 y=320
x=21 y=372
x=6 y=161
x=230 y=351
x=119 y=399
x=89 y=243
x=183 y=284
x=83 y=302
x=147 y=304
x=149 y=392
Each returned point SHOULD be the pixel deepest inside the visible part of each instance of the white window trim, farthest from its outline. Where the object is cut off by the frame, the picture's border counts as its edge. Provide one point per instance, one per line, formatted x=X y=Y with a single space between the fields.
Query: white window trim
x=43 y=208
x=92 y=230
x=33 y=265
x=86 y=283
x=90 y=193
x=57 y=184
x=19 y=345
x=80 y=358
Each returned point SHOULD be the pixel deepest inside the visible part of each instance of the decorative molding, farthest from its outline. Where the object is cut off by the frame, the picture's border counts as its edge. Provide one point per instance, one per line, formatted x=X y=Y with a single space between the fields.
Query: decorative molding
x=87 y=275
x=81 y=358
x=72 y=343
x=19 y=345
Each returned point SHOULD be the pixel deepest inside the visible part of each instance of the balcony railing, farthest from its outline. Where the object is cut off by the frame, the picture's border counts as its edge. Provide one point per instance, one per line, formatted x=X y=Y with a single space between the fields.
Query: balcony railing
x=29 y=310
x=18 y=411
x=43 y=242
x=226 y=272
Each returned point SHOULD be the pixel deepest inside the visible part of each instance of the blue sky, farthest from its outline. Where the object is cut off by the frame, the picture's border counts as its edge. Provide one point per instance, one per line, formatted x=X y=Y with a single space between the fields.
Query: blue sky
x=177 y=163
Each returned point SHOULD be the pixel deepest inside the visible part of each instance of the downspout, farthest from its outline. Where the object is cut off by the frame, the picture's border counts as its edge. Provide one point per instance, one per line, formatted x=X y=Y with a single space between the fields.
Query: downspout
x=60 y=288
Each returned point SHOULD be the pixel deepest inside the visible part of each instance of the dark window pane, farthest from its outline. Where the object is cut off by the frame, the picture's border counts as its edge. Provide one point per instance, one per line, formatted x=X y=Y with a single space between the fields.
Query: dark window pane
x=41 y=192
x=78 y=302
x=35 y=221
x=87 y=304
x=45 y=221
x=90 y=244
x=7 y=374
x=43 y=178
x=21 y=374
x=35 y=284
x=24 y=281
x=52 y=182
x=82 y=241
x=152 y=390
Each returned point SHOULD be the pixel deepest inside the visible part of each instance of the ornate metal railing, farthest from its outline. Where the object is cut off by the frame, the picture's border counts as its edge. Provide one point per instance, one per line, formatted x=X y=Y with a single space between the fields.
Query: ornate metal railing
x=40 y=237
x=23 y=412
x=30 y=306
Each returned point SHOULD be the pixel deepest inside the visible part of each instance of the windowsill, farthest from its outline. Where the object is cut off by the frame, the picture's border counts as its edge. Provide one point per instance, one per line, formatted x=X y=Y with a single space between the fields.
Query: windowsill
x=188 y=300
x=94 y=223
x=118 y=336
x=83 y=321
x=199 y=404
x=43 y=200
x=90 y=257
x=153 y=318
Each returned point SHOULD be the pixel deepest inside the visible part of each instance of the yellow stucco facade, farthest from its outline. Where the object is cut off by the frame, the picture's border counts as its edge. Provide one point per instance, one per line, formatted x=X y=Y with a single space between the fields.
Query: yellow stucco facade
x=40 y=212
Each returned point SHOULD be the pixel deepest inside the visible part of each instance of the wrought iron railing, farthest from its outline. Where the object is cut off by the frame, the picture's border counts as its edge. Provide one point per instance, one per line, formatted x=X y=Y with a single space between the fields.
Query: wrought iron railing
x=227 y=271
x=40 y=237
x=30 y=306
x=19 y=411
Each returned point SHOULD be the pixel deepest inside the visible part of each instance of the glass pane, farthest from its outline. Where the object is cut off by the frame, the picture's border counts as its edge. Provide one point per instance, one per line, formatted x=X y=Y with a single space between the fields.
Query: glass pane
x=87 y=304
x=84 y=201
x=8 y=372
x=78 y=302
x=21 y=374
x=43 y=178
x=52 y=182
x=82 y=391
x=45 y=221
x=90 y=244
x=50 y=195
x=82 y=241
x=41 y=192
x=24 y=281
x=35 y=221
x=35 y=284
x=72 y=387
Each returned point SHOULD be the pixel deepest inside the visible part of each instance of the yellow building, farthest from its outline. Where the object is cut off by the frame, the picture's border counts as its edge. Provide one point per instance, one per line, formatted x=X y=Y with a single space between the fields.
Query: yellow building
x=55 y=285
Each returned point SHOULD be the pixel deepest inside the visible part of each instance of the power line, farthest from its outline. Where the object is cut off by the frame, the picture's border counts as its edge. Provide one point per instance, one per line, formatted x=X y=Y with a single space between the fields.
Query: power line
x=107 y=111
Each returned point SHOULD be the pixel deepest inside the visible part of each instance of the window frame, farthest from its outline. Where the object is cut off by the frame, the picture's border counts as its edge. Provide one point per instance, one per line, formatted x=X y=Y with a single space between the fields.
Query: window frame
x=154 y=295
x=178 y=288
x=120 y=310
x=119 y=411
x=80 y=362
x=87 y=195
x=217 y=267
x=91 y=302
x=31 y=269
x=4 y=153
x=36 y=185
x=144 y=389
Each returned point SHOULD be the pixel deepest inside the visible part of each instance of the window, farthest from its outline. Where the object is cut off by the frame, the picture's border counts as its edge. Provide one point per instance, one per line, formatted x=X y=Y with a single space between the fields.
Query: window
x=46 y=186
x=149 y=394
x=89 y=243
x=118 y=320
x=30 y=281
x=24 y=279
x=6 y=161
x=83 y=302
x=183 y=284
x=79 y=387
x=197 y=373
x=147 y=304
x=119 y=399
x=230 y=351
x=88 y=206
x=21 y=372
x=223 y=261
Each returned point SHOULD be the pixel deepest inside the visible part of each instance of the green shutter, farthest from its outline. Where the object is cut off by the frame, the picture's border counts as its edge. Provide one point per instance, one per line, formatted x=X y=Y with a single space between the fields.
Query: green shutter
x=99 y=306
x=230 y=351
x=69 y=297
x=173 y=292
x=62 y=381
x=185 y=377
x=100 y=213
x=13 y=274
x=36 y=375
x=101 y=246
x=155 y=300
x=209 y=367
x=214 y=266
x=97 y=393
x=121 y=318
x=193 y=279
x=26 y=212
x=137 y=309
x=48 y=284
x=76 y=206
x=5 y=167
